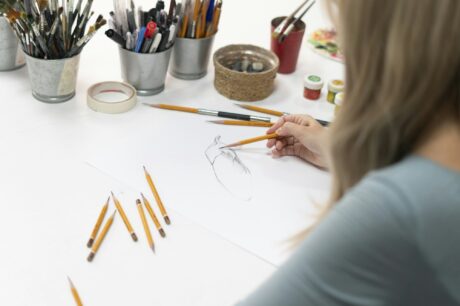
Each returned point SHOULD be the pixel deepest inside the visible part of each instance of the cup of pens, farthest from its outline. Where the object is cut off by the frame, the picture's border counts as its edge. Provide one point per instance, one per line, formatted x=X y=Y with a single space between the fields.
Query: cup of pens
x=145 y=40
x=11 y=55
x=198 y=28
x=52 y=37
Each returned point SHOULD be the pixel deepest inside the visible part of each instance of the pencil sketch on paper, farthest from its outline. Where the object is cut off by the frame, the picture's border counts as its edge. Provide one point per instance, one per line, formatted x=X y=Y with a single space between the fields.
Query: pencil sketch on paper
x=231 y=173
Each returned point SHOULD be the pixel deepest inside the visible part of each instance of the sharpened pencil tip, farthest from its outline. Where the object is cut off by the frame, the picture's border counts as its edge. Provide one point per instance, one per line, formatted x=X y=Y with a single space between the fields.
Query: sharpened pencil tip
x=70 y=282
x=153 y=248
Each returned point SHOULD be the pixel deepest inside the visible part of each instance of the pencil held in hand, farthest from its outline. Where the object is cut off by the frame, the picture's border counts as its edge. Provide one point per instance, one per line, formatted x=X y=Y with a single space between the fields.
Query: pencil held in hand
x=251 y=140
x=98 y=224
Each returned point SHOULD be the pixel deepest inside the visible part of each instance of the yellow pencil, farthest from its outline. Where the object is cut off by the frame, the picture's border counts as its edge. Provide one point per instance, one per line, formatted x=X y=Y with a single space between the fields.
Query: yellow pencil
x=75 y=294
x=148 y=234
x=124 y=218
x=98 y=224
x=251 y=140
x=262 y=110
x=157 y=197
x=243 y=123
x=101 y=237
x=153 y=216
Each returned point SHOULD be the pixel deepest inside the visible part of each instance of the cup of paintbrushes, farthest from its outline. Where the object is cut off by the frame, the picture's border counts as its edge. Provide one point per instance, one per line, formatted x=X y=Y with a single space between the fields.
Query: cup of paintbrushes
x=11 y=55
x=53 y=81
x=145 y=71
x=191 y=57
x=287 y=48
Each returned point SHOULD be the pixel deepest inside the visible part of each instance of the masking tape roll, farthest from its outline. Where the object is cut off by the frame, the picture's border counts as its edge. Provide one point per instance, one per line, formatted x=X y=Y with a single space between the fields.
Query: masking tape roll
x=115 y=106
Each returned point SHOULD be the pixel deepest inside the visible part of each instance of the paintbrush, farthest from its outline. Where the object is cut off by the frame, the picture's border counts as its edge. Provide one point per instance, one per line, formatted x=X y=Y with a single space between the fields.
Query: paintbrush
x=202 y=111
x=285 y=23
x=250 y=140
x=291 y=27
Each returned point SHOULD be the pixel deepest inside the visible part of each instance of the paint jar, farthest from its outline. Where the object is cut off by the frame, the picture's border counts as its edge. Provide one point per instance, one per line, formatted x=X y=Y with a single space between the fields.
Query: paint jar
x=145 y=71
x=334 y=87
x=53 y=81
x=11 y=55
x=312 y=87
x=338 y=101
x=190 y=57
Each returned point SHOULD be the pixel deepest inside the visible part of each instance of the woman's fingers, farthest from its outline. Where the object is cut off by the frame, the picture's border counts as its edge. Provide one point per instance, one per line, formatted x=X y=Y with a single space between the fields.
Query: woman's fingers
x=276 y=126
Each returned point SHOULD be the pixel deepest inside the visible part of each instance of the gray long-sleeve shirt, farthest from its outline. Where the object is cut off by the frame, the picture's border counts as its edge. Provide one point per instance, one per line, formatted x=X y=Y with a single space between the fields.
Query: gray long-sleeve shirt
x=394 y=239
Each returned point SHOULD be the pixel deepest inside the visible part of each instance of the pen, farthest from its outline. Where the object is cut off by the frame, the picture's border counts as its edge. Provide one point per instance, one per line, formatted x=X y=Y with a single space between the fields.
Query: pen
x=156 y=43
x=115 y=37
x=129 y=41
x=140 y=40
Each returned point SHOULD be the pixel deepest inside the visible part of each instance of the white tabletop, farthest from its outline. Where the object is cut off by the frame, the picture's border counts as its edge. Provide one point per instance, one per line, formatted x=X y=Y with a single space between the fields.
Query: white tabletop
x=59 y=163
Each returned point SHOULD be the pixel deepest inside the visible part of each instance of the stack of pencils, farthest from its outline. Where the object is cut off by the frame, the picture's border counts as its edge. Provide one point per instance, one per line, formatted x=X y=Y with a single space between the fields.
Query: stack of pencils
x=97 y=238
x=143 y=31
x=49 y=31
x=200 y=19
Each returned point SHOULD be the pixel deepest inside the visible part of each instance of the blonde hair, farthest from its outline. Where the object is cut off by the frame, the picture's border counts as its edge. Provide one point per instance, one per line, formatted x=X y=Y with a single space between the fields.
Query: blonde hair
x=402 y=78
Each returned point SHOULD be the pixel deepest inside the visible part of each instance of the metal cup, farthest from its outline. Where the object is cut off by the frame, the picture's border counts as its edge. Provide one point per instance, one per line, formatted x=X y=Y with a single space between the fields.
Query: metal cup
x=191 y=57
x=11 y=55
x=53 y=81
x=145 y=71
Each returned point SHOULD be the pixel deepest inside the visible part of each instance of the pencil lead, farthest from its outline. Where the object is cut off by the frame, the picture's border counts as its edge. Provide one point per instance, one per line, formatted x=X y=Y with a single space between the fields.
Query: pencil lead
x=153 y=248
x=70 y=282
x=216 y=121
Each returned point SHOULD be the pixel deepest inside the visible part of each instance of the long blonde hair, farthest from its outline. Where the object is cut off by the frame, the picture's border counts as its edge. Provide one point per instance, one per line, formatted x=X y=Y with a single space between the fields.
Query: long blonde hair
x=402 y=78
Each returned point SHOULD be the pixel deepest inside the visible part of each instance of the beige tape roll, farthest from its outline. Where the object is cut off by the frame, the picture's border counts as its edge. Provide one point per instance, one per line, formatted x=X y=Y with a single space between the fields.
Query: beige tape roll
x=117 y=106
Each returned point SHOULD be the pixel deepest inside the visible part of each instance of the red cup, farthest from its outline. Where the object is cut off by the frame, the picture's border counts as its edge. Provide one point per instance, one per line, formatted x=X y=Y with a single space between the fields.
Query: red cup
x=288 y=50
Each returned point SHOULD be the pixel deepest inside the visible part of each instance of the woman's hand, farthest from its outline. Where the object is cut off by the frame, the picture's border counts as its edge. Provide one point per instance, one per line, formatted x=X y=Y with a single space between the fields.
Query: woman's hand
x=299 y=135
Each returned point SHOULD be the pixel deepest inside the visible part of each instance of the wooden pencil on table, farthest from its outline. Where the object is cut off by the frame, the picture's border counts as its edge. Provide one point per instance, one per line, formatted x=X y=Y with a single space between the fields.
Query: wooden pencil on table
x=100 y=238
x=242 y=123
x=75 y=294
x=153 y=216
x=251 y=140
x=262 y=110
x=157 y=197
x=98 y=224
x=148 y=234
x=124 y=218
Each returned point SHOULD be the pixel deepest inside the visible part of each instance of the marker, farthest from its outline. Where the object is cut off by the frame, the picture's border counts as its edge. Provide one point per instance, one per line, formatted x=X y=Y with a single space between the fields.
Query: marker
x=156 y=43
x=140 y=39
x=115 y=37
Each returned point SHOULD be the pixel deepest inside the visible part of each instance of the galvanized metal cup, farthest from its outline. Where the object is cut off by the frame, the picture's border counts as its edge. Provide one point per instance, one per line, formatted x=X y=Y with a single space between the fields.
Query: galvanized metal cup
x=11 y=55
x=53 y=81
x=145 y=71
x=191 y=57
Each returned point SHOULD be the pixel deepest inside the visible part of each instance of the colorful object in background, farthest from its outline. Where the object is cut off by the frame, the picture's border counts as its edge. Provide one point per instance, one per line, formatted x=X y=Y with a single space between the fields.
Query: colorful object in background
x=47 y=30
x=324 y=42
x=288 y=50
x=334 y=87
x=200 y=19
x=313 y=85
x=339 y=101
x=143 y=31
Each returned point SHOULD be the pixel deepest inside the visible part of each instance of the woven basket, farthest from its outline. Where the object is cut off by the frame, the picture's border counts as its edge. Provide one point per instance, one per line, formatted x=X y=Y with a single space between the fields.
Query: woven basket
x=244 y=86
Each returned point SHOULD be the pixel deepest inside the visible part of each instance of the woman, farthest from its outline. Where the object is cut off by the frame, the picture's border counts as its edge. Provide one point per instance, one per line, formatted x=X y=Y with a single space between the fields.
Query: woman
x=391 y=233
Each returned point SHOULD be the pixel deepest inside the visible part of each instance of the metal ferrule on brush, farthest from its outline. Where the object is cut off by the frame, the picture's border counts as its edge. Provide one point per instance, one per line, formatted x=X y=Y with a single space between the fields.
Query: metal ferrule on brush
x=208 y=112
x=260 y=118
